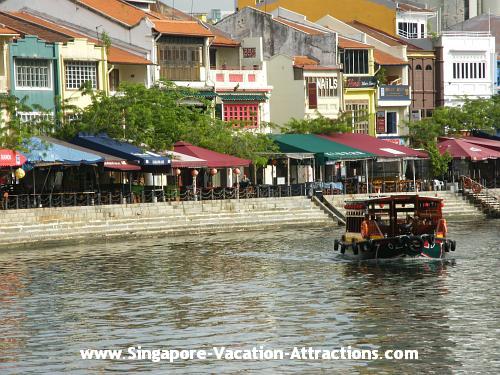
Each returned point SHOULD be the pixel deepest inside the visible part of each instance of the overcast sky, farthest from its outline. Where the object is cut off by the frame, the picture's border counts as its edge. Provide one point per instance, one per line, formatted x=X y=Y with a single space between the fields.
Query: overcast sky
x=200 y=5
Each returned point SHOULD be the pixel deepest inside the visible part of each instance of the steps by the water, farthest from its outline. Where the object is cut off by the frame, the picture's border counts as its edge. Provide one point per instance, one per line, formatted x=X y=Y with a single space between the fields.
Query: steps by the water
x=171 y=218
x=456 y=207
x=486 y=200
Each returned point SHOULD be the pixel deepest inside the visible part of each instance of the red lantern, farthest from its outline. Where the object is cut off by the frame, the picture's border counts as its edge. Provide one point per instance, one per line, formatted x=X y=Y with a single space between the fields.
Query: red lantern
x=442 y=204
x=274 y=162
x=194 y=173
x=236 y=171
x=381 y=205
x=213 y=171
x=177 y=172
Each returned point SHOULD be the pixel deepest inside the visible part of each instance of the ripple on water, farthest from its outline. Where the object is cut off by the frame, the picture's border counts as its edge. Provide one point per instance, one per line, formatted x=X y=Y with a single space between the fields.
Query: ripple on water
x=278 y=289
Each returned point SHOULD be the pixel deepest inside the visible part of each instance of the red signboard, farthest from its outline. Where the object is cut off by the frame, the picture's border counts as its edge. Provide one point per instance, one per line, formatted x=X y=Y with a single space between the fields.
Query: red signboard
x=9 y=158
x=380 y=122
x=312 y=94
x=249 y=53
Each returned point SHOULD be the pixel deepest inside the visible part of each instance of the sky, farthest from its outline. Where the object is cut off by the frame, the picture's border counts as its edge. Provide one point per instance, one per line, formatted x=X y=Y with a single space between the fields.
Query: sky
x=200 y=5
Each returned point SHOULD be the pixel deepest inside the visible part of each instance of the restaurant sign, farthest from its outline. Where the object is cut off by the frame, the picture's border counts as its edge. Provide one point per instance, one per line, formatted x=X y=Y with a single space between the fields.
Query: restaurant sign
x=360 y=82
x=249 y=53
x=380 y=122
x=394 y=92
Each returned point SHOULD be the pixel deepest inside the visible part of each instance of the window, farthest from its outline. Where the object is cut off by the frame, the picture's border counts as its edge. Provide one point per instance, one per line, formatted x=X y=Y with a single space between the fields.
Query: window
x=392 y=122
x=418 y=67
x=359 y=113
x=355 y=61
x=242 y=114
x=469 y=70
x=326 y=86
x=114 y=79
x=410 y=29
x=180 y=62
x=80 y=72
x=32 y=74
x=428 y=67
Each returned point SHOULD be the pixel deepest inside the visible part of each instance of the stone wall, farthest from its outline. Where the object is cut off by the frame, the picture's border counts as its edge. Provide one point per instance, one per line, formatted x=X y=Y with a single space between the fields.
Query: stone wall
x=47 y=225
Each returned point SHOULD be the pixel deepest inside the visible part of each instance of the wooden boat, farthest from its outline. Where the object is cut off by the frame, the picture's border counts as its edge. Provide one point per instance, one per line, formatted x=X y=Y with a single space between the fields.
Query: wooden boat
x=393 y=227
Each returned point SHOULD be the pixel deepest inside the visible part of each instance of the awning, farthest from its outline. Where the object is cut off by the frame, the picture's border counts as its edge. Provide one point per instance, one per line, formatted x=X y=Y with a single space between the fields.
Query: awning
x=185 y=161
x=10 y=158
x=485 y=142
x=325 y=150
x=461 y=149
x=149 y=161
x=49 y=151
x=242 y=97
x=214 y=159
x=376 y=146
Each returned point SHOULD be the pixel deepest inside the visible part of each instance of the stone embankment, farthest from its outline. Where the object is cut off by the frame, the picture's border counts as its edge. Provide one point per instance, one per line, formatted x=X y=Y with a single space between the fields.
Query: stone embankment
x=456 y=207
x=48 y=225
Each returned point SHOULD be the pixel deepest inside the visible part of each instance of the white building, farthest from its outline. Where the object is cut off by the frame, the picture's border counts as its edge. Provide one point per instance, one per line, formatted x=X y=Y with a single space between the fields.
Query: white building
x=303 y=89
x=466 y=64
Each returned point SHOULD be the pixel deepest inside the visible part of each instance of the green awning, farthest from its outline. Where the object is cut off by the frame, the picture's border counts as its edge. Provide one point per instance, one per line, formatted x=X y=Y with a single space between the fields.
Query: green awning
x=204 y=94
x=326 y=151
x=242 y=97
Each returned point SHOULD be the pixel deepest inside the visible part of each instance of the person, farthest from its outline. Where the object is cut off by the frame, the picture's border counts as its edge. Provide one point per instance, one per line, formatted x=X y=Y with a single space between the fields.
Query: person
x=245 y=182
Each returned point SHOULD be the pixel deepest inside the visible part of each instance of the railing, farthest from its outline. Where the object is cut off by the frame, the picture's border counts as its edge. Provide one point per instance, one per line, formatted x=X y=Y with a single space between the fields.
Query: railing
x=25 y=201
x=225 y=77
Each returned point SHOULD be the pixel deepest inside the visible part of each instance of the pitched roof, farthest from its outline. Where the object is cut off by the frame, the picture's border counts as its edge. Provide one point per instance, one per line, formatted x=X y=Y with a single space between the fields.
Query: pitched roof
x=6 y=31
x=383 y=58
x=412 y=8
x=382 y=36
x=117 y=10
x=299 y=26
x=222 y=39
x=304 y=60
x=26 y=28
x=350 y=43
x=116 y=55
x=177 y=27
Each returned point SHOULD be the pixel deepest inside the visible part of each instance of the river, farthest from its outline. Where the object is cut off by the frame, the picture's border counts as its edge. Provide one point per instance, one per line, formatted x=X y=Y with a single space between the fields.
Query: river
x=277 y=290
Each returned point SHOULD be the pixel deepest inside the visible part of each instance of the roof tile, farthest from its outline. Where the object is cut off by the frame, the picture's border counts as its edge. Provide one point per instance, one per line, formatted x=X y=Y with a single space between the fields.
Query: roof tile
x=177 y=27
x=350 y=43
x=118 y=10
x=383 y=58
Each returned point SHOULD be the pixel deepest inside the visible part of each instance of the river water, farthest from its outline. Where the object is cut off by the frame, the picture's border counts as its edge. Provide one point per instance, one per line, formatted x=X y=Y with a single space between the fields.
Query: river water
x=277 y=290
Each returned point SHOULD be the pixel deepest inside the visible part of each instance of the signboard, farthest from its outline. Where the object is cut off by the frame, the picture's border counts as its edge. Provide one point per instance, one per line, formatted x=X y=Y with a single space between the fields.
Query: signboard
x=312 y=94
x=396 y=141
x=380 y=122
x=250 y=53
x=394 y=92
x=360 y=82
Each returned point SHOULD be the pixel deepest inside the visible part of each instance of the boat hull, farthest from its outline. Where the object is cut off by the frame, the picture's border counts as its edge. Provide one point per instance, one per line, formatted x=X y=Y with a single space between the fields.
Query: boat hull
x=397 y=247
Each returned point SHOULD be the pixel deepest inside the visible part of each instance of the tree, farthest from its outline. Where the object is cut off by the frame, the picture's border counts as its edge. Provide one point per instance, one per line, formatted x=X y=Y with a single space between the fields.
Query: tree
x=319 y=125
x=439 y=163
x=157 y=117
x=14 y=131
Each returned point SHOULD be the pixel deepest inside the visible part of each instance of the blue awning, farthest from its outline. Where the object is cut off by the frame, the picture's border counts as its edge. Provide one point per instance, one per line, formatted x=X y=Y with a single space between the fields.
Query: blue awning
x=46 y=150
x=103 y=143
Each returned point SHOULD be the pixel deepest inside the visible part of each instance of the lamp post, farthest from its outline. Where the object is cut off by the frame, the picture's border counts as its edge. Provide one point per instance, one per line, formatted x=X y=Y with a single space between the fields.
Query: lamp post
x=178 y=182
x=237 y=172
x=213 y=172
x=194 y=173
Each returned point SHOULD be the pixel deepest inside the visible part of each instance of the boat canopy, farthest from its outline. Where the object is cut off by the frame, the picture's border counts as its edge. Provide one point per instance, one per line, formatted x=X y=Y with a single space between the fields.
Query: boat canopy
x=325 y=150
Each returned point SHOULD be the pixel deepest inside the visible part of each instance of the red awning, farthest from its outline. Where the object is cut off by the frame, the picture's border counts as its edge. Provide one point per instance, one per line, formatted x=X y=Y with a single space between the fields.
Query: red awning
x=461 y=149
x=185 y=161
x=214 y=159
x=121 y=165
x=10 y=158
x=485 y=142
x=375 y=146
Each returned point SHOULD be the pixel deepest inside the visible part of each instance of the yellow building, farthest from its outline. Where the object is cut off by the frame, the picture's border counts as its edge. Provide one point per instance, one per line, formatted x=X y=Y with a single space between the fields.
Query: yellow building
x=381 y=16
x=81 y=61
x=359 y=84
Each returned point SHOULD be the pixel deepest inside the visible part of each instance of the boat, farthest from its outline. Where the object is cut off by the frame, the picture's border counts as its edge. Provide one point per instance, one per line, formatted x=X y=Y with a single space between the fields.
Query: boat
x=396 y=226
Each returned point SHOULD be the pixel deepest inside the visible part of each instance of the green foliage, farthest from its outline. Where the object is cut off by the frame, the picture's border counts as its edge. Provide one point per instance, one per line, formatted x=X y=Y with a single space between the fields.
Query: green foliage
x=319 y=125
x=14 y=131
x=439 y=163
x=106 y=41
x=481 y=114
x=159 y=116
x=381 y=76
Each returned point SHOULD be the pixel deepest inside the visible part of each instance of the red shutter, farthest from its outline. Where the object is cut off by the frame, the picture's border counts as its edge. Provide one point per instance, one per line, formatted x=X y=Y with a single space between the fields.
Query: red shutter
x=312 y=94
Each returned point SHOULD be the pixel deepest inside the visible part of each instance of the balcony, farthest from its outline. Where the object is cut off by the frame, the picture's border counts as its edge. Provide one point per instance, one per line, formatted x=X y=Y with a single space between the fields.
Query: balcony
x=394 y=96
x=243 y=79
